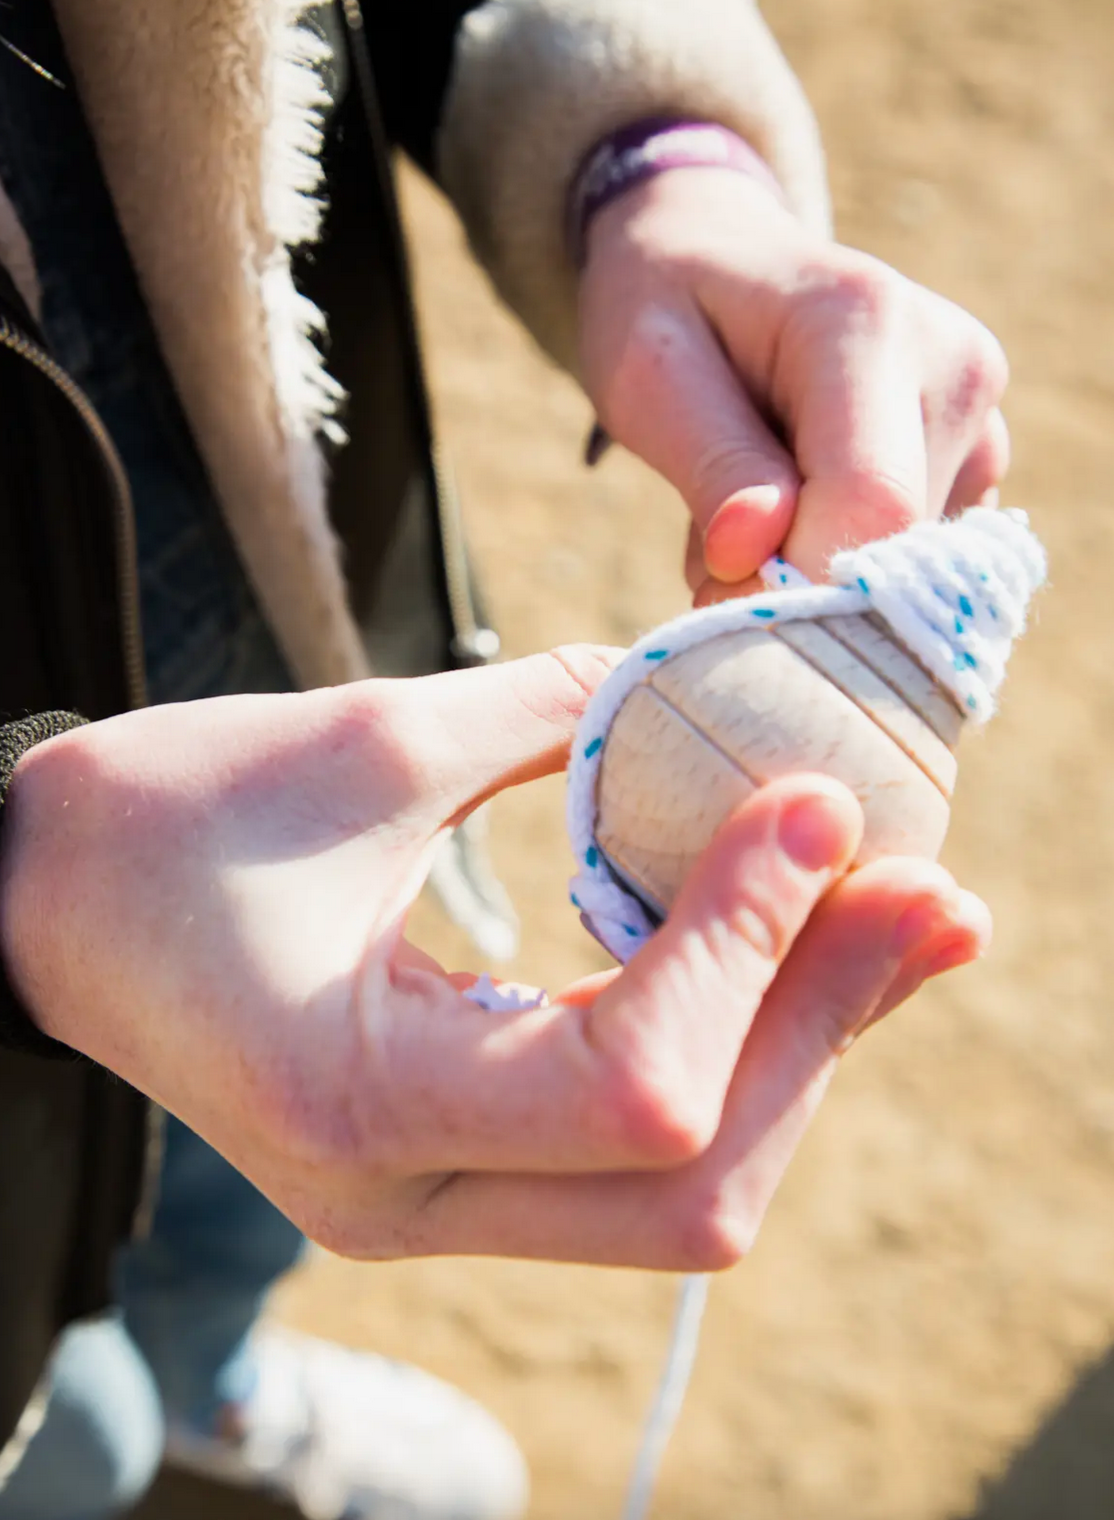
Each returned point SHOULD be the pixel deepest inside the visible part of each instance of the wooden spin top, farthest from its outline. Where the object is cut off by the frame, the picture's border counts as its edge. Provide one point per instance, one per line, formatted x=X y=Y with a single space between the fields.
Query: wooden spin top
x=708 y=726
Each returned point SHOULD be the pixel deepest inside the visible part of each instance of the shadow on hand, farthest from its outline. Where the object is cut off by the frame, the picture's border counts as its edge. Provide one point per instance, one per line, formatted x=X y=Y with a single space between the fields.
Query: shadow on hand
x=1066 y=1472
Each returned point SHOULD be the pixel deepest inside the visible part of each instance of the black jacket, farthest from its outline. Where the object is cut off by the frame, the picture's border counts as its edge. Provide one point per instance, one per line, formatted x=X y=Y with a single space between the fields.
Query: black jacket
x=73 y=1139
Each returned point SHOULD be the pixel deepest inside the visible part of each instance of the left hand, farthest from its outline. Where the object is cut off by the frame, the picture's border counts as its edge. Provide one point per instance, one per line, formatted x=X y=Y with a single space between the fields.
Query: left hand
x=800 y=395
x=209 y=899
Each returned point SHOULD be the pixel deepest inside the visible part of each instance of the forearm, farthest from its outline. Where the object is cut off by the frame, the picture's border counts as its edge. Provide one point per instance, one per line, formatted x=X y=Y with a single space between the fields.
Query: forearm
x=17 y=1031
x=536 y=83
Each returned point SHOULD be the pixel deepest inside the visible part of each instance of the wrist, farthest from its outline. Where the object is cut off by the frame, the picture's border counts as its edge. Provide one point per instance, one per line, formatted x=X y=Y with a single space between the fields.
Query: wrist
x=638 y=153
x=29 y=895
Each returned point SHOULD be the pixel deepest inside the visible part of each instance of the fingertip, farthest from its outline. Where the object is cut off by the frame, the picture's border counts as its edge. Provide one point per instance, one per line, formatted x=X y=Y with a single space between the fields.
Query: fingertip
x=959 y=946
x=936 y=908
x=821 y=824
x=977 y=919
x=983 y=470
x=710 y=593
x=812 y=824
x=746 y=529
x=940 y=928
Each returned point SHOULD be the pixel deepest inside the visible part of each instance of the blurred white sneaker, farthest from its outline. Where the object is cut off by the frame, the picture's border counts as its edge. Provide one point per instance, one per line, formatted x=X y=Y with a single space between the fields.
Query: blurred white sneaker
x=349 y=1436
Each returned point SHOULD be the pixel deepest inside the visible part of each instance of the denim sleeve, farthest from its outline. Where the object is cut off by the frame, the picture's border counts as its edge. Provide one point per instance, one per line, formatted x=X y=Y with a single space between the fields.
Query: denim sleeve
x=17 y=1032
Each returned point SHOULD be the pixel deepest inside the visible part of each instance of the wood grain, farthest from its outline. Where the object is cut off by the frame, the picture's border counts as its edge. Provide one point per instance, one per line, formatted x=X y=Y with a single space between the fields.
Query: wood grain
x=711 y=724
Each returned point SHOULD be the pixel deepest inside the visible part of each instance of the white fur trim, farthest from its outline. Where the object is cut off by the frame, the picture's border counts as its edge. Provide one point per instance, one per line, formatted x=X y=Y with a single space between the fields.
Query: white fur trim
x=292 y=175
x=205 y=114
x=537 y=82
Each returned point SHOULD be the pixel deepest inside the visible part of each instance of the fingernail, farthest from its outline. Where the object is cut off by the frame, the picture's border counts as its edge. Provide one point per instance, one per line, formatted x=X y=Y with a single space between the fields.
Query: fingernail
x=817 y=832
x=977 y=919
x=915 y=928
x=943 y=927
x=968 y=941
x=729 y=537
x=949 y=955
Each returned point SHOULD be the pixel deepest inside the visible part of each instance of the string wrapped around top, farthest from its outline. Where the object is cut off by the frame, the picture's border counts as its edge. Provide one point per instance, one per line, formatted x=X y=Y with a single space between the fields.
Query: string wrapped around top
x=954 y=593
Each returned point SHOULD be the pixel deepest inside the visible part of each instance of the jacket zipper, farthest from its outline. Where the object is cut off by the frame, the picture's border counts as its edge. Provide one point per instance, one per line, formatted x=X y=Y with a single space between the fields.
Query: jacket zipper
x=11 y=337
x=472 y=641
x=131 y=636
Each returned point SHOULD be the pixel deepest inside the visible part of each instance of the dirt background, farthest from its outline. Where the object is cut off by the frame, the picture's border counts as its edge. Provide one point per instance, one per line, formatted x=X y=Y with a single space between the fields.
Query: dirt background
x=925 y=1328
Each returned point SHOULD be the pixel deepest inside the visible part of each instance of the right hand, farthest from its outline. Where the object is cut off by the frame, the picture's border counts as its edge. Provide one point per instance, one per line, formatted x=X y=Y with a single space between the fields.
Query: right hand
x=209 y=900
x=801 y=396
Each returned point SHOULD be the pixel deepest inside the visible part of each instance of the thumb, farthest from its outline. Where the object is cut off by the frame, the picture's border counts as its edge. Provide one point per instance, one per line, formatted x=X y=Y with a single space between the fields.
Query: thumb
x=682 y=1008
x=471 y=733
x=676 y=401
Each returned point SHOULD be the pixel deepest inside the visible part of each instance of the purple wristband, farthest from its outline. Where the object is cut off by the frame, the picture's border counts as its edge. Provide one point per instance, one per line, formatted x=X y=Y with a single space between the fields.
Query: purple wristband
x=636 y=153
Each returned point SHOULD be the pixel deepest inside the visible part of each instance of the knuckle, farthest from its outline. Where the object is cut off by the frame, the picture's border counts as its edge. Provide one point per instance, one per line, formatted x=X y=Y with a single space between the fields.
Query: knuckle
x=357 y=1234
x=706 y=1233
x=393 y=723
x=982 y=373
x=996 y=365
x=727 y=461
x=315 y=1124
x=877 y=503
x=578 y=669
x=300 y=1129
x=754 y=920
x=753 y=917
x=653 y=1120
x=866 y=294
x=365 y=711
x=375 y=1219
x=553 y=688
x=332 y=1231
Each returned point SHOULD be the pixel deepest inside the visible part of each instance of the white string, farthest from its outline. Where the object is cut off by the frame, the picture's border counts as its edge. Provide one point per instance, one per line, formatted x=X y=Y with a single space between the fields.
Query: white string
x=954 y=593
x=683 y=1344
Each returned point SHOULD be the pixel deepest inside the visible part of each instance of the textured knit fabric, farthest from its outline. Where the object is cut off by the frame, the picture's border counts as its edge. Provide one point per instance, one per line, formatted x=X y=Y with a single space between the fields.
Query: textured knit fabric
x=203 y=633
x=536 y=83
x=16 y=1030
x=206 y=119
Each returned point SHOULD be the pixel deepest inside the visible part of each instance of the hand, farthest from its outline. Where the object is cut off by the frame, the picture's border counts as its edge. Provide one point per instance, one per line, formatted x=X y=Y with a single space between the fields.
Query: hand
x=209 y=899
x=800 y=395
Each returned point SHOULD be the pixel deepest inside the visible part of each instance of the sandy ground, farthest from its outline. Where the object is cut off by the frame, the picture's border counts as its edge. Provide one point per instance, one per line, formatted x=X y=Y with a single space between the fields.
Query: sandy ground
x=925 y=1328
